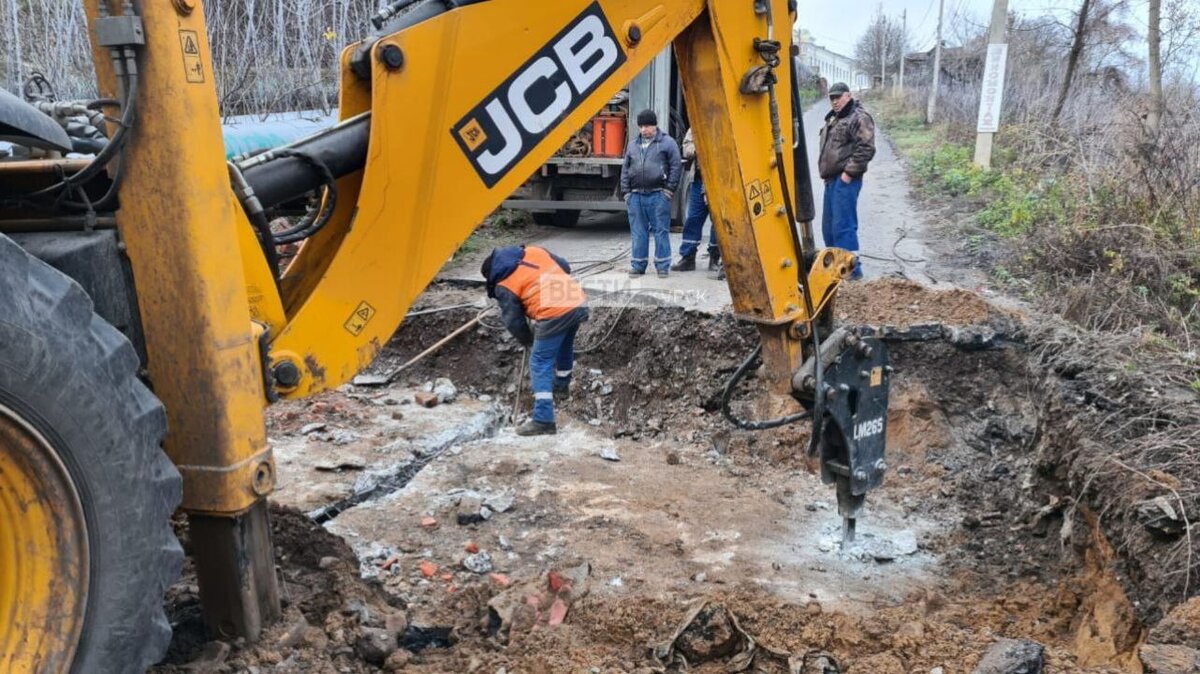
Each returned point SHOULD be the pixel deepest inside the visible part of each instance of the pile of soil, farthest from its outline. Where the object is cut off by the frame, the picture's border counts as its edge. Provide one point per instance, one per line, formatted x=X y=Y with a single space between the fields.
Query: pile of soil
x=639 y=369
x=326 y=608
x=901 y=302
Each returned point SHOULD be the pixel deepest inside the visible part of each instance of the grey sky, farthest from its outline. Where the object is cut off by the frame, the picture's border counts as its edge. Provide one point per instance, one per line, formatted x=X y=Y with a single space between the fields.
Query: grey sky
x=837 y=24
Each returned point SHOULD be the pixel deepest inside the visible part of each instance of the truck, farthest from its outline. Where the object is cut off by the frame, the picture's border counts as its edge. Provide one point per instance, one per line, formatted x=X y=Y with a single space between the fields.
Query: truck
x=585 y=174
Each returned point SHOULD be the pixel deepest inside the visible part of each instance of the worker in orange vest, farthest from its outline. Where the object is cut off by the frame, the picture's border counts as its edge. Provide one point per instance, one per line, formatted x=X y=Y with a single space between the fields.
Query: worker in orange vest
x=531 y=283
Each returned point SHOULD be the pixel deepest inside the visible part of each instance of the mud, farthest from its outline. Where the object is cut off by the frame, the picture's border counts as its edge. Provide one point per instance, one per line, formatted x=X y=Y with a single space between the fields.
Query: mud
x=975 y=535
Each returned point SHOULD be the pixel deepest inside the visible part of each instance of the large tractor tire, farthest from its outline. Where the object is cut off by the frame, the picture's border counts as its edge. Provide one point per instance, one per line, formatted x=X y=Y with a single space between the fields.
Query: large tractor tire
x=86 y=493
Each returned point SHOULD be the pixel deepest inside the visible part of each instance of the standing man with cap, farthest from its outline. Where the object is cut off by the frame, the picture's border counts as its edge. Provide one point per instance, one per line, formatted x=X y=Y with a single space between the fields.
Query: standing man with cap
x=847 y=146
x=649 y=178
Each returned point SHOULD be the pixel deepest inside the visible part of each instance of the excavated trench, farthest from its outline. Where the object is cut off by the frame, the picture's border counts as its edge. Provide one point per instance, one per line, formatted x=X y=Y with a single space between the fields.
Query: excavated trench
x=981 y=443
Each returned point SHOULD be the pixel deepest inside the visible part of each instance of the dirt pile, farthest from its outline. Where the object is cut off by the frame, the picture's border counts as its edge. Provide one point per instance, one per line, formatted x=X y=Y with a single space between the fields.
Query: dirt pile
x=902 y=302
x=657 y=372
x=328 y=611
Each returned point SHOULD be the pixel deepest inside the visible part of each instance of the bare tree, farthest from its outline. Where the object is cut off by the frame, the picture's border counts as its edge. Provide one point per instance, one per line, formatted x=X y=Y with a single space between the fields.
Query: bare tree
x=268 y=55
x=881 y=47
x=1157 y=101
x=1179 y=29
x=1077 y=42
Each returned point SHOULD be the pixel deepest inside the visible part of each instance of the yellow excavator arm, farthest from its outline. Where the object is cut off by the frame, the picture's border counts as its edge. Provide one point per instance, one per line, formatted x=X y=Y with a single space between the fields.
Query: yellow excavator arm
x=449 y=114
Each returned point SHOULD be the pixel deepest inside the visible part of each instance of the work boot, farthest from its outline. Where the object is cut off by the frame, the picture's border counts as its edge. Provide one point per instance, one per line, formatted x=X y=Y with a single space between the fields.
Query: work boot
x=532 y=427
x=633 y=273
x=663 y=273
x=714 y=260
x=686 y=263
x=720 y=272
x=561 y=394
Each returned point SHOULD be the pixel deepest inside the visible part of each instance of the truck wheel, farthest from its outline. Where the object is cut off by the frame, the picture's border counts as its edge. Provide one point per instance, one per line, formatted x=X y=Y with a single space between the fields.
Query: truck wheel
x=86 y=493
x=557 y=218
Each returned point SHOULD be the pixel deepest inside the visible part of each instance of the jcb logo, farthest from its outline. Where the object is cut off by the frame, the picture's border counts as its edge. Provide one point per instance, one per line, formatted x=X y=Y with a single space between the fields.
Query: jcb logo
x=514 y=118
x=869 y=428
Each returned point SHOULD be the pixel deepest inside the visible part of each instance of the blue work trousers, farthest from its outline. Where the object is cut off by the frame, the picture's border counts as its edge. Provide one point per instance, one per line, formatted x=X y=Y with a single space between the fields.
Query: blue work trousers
x=839 y=219
x=550 y=365
x=650 y=213
x=693 y=226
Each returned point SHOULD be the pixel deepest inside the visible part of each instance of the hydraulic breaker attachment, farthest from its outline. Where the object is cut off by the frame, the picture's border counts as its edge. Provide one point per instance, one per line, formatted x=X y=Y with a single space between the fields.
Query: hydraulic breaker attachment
x=854 y=382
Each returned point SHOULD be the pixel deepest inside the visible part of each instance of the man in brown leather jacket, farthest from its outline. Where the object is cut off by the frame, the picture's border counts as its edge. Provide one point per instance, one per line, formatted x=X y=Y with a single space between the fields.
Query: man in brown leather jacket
x=847 y=146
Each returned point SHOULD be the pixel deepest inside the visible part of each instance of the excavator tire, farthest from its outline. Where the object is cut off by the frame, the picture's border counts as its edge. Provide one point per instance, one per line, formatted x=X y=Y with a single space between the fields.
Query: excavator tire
x=86 y=492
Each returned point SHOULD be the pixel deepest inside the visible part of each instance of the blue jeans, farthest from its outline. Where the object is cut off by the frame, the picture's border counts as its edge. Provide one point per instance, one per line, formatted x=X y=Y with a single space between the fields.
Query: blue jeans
x=839 y=220
x=693 y=226
x=550 y=365
x=650 y=213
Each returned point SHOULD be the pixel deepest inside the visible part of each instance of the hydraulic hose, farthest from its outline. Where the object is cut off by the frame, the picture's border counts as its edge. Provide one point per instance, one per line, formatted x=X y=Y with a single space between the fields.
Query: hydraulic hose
x=769 y=50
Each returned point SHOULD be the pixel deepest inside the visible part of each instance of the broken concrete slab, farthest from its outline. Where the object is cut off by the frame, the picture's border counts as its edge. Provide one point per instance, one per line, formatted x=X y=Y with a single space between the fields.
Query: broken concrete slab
x=1169 y=659
x=1012 y=656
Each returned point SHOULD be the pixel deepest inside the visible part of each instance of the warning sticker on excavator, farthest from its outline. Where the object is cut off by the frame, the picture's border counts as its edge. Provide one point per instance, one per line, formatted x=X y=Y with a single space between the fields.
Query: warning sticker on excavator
x=876 y=376
x=472 y=135
x=758 y=193
x=193 y=66
x=358 y=320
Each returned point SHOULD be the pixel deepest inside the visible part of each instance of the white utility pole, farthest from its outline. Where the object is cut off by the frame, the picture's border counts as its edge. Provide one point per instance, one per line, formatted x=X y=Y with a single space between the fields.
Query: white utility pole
x=931 y=109
x=903 y=35
x=992 y=90
x=883 y=59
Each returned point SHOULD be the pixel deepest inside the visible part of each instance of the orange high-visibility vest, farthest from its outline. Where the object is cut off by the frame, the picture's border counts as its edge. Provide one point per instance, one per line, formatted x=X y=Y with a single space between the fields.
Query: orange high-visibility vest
x=545 y=289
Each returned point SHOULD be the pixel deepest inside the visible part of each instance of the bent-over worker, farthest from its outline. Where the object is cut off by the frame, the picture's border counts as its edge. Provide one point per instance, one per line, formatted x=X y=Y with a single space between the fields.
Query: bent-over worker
x=531 y=283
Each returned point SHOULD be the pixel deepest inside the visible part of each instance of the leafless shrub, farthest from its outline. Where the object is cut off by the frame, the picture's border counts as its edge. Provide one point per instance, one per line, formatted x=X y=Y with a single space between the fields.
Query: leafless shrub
x=269 y=55
x=1125 y=217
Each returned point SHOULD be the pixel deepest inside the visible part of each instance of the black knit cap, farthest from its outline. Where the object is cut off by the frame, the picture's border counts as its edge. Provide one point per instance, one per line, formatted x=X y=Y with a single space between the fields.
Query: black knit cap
x=647 y=118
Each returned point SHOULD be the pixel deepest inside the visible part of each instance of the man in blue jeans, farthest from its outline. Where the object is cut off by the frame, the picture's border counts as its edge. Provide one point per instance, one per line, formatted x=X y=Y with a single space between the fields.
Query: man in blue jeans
x=847 y=146
x=649 y=179
x=531 y=283
x=697 y=215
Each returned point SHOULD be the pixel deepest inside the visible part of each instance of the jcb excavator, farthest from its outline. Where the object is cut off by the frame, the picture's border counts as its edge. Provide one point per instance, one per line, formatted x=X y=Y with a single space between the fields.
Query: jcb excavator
x=148 y=272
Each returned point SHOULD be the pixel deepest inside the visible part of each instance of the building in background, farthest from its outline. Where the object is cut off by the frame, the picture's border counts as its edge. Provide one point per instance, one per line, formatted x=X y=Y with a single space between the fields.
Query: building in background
x=829 y=65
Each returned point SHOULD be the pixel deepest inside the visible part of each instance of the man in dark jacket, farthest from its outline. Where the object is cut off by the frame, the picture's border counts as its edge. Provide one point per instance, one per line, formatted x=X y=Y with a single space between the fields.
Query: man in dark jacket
x=847 y=146
x=531 y=283
x=649 y=179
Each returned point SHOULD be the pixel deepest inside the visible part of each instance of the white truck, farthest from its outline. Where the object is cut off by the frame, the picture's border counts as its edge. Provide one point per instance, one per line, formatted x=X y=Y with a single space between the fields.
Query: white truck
x=586 y=174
